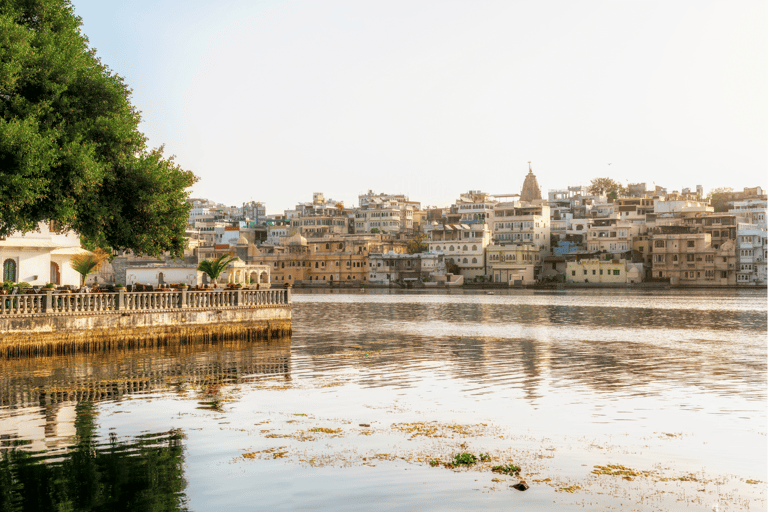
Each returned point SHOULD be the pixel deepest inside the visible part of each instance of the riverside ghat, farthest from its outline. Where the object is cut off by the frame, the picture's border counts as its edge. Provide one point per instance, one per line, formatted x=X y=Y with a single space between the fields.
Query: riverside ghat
x=50 y=322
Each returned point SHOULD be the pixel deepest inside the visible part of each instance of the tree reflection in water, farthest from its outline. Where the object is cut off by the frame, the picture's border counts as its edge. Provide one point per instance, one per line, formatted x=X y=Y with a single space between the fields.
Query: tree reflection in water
x=144 y=474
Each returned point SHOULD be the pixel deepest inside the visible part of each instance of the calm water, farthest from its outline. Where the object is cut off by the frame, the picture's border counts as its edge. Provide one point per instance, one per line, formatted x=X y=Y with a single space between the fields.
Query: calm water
x=348 y=414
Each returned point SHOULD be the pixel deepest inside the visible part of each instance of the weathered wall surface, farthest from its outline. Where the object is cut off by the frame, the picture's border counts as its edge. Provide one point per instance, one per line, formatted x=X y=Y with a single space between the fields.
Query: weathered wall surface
x=59 y=333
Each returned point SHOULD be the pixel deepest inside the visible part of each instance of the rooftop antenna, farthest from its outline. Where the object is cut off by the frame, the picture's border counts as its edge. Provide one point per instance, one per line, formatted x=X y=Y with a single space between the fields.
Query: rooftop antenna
x=529 y=166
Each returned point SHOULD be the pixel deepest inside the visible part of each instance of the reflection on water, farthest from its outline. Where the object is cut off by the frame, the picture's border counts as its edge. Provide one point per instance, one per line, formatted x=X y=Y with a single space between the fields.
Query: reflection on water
x=614 y=363
x=145 y=473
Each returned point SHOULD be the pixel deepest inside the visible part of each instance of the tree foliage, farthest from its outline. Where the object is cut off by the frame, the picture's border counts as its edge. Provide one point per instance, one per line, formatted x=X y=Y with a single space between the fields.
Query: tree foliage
x=214 y=267
x=417 y=245
x=70 y=148
x=720 y=197
x=611 y=188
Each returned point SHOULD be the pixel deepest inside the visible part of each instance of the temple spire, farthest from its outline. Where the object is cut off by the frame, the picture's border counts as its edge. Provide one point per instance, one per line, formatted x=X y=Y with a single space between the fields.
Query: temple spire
x=531 y=191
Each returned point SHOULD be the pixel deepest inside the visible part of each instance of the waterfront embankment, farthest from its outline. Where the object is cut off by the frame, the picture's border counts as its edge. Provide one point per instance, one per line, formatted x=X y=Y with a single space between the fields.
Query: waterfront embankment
x=57 y=323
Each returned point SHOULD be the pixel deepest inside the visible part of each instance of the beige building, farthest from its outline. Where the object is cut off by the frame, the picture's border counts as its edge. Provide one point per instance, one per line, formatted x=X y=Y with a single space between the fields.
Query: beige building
x=597 y=270
x=515 y=264
x=611 y=235
x=385 y=213
x=320 y=217
x=686 y=256
x=328 y=259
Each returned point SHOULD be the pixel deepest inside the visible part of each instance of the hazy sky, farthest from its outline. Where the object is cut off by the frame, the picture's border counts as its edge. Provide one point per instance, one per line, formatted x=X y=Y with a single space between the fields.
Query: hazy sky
x=272 y=101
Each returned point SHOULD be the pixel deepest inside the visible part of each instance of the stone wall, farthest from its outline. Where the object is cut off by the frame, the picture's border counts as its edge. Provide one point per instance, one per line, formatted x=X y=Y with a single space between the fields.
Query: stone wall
x=61 y=333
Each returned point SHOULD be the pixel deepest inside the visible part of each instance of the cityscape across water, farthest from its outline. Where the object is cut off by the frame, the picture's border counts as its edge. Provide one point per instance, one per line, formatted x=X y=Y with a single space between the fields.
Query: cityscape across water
x=622 y=399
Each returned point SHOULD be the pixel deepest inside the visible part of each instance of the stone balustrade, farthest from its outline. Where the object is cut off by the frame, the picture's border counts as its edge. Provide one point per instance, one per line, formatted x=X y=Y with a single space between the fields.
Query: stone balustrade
x=74 y=303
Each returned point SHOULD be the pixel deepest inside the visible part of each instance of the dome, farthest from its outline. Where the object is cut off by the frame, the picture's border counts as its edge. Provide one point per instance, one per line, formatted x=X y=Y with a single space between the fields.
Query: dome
x=242 y=240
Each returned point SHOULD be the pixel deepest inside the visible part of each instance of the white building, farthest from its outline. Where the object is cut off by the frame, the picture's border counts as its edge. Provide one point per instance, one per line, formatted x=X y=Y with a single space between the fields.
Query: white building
x=387 y=213
x=464 y=244
x=522 y=223
x=40 y=257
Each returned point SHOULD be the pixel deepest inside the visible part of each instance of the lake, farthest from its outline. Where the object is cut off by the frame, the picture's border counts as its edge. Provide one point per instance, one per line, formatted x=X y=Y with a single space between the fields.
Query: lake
x=597 y=399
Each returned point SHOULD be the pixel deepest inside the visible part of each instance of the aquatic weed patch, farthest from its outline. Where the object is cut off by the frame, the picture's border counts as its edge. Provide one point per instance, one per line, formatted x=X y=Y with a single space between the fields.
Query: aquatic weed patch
x=507 y=469
x=434 y=429
x=619 y=470
x=323 y=430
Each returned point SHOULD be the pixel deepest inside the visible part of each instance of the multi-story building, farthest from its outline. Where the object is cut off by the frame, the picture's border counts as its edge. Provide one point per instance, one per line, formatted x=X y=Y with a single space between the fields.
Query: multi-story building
x=462 y=244
x=320 y=217
x=391 y=268
x=384 y=213
x=751 y=254
x=686 y=256
x=612 y=236
x=519 y=223
x=254 y=211
x=751 y=240
x=327 y=259
x=475 y=207
x=513 y=263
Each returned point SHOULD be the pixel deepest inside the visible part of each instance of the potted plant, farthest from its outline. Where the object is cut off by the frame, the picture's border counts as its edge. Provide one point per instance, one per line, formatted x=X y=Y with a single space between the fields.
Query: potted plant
x=49 y=287
x=119 y=287
x=214 y=267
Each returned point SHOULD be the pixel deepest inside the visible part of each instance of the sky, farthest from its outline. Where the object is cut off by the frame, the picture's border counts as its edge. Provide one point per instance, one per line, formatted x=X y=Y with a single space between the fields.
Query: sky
x=271 y=101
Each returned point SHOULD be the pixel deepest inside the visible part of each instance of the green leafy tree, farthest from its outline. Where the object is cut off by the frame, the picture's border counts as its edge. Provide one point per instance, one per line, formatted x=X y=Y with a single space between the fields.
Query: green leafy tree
x=417 y=245
x=70 y=148
x=88 y=262
x=214 y=267
x=612 y=189
x=720 y=197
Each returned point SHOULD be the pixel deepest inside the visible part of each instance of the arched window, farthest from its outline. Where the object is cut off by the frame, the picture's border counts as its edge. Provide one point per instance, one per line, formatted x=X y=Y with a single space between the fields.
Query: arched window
x=474 y=260
x=9 y=270
x=451 y=249
x=465 y=260
x=327 y=246
x=465 y=248
x=474 y=247
x=341 y=246
x=55 y=274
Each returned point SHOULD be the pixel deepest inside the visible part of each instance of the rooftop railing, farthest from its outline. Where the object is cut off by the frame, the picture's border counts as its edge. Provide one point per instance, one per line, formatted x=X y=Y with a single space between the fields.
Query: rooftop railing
x=73 y=303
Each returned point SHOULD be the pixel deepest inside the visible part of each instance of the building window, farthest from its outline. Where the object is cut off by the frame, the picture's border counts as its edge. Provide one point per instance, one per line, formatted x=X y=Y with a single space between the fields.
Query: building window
x=9 y=270
x=617 y=272
x=573 y=272
x=691 y=243
x=658 y=243
x=55 y=273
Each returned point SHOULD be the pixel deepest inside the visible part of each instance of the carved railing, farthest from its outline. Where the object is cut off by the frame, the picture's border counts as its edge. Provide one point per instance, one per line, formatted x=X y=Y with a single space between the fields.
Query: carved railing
x=63 y=303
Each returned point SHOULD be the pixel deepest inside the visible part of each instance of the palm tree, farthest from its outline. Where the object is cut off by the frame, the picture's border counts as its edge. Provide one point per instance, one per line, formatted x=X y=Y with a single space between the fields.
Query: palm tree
x=214 y=267
x=87 y=262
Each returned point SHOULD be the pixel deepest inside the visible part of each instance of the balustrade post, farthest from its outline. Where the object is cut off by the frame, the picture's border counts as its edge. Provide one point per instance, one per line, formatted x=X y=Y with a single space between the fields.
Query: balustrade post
x=48 y=301
x=183 y=299
x=120 y=300
x=287 y=295
x=239 y=297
